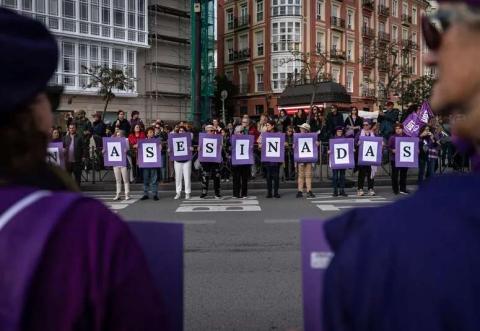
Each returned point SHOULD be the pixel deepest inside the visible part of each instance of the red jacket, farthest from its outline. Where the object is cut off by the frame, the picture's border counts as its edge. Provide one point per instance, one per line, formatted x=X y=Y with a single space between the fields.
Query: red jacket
x=133 y=139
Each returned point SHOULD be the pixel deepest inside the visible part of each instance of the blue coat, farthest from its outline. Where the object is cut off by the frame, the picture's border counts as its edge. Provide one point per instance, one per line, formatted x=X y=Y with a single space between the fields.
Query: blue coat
x=411 y=265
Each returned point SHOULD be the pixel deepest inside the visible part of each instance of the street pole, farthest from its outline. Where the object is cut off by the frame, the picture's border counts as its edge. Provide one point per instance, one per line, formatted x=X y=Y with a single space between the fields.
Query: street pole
x=198 y=65
x=223 y=112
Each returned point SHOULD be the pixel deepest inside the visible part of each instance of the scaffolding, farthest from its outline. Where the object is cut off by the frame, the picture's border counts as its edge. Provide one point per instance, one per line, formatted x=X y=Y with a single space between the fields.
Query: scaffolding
x=207 y=59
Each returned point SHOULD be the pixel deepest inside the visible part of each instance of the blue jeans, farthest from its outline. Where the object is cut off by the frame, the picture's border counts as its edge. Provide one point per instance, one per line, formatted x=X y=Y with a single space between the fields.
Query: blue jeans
x=338 y=180
x=150 y=181
x=426 y=168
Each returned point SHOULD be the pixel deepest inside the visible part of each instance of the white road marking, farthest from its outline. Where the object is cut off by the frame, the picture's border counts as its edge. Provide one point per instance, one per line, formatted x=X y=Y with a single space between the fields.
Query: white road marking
x=281 y=221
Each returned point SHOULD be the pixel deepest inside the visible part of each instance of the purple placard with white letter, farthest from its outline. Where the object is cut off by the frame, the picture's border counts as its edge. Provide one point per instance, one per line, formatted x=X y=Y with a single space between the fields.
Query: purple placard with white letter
x=273 y=147
x=56 y=155
x=210 y=146
x=341 y=153
x=316 y=257
x=162 y=244
x=425 y=113
x=242 y=149
x=306 y=149
x=412 y=125
x=115 y=152
x=149 y=153
x=370 y=151
x=406 y=152
x=180 y=146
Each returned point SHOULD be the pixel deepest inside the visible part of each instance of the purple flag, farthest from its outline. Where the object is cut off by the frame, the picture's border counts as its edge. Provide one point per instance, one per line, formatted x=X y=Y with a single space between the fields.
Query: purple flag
x=425 y=113
x=115 y=152
x=316 y=256
x=180 y=145
x=210 y=146
x=306 y=149
x=412 y=125
x=406 y=152
x=162 y=244
x=149 y=153
x=242 y=149
x=370 y=151
x=56 y=155
x=341 y=153
x=273 y=147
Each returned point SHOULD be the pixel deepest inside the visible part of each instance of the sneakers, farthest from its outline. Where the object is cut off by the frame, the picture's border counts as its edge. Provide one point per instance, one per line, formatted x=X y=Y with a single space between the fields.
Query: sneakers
x=277 y=196
x=343 y=194
x=360 y=193
x=406 y=192
x=218 y=196
x=299 y=194
x=335 y=194
x=244 y=197
x=155 y=197
x=371 y=192
x=235 y=197
x=177 y=196
x=117 y=197
x=187 y=196
x=203 y=195
x=310 y=194
x=127 y=197
x=145 y=197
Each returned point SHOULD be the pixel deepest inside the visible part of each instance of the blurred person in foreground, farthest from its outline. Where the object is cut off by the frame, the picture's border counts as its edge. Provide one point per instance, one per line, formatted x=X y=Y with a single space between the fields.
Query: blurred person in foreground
x=66 y=261
x=415 y=264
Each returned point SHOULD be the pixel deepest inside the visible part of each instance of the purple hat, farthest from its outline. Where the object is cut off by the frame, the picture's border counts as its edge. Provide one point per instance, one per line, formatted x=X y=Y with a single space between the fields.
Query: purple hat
x=28 y=59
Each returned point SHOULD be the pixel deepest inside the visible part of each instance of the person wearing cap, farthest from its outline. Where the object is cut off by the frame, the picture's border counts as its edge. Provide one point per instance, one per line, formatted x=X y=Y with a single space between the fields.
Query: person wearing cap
x=339 y=174
x=305 y=170
x=413 y=264
x=210 y=170
x=363 y=170
x=397 y=172
x=66 y=261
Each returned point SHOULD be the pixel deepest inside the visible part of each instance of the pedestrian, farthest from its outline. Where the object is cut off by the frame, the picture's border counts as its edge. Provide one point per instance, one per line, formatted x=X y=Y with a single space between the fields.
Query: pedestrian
x=272 y=169
x=121 y=122
x=334 y=120
x=56 y=138
x=133 y=139
x=298 y=119
x=387 y=120
x=67 y=263
x=76 y=152
x=149 y=174
x=135 y=120
x=305 y=170
x=241 y=174
x=397 y=172
x=339 y=174
x=183 y=170
x=121 y=173
x=353 y=123
x=210 y=170
x=98 y=126
x=283 y=121
x=84 y=126
x=262 y=123
x=289 y=164
x=365 y=171
x=428 y=153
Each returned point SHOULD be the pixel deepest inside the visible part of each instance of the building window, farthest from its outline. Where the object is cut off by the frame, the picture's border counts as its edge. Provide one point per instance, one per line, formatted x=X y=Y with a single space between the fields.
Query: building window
x=259 y=41
x=282 y=72
x=350 y=81
x=243 y=42
x=405 y=8
x=259 y=10
x=394 y=33
x=414 y=15
x=229 y=50
x=336 y=75
x=258 y=109
x=68 y=64
x=395 y=8
x=414 y=37
x=414 y=65
x=320 y=10
x=286 y=8
x=243 y=81
x=366 y=23
x=229 y=19
x=320 y=42
x=351 y=20
x=350 y=51
x=10 y=3
x=336 y=43
x=259 y=85
x=286 y=36
x=405 y=34
x=229 y=75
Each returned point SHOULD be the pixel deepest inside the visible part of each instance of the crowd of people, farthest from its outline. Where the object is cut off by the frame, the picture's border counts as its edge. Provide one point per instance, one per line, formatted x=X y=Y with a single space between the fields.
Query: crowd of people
x=83 y=142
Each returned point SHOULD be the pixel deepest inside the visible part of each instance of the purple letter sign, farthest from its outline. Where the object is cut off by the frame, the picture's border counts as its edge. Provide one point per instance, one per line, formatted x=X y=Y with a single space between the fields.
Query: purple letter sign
x=180 y=145
x=406 y=152
x=55 y=154
x=316 y=256
x=341 y=153
x=306 y=150
x=115 y=152
x=412 y=125
x=149 y=153
x=370 y=151
x=273 y=147
x=210 y=146
x=242 y=149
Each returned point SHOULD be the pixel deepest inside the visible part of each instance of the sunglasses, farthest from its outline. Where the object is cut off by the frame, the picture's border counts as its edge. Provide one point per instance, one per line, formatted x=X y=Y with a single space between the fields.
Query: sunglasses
x=435 y=25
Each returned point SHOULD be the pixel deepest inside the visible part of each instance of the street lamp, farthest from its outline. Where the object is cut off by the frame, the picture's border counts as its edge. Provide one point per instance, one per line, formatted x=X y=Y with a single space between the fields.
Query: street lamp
x=223 y=96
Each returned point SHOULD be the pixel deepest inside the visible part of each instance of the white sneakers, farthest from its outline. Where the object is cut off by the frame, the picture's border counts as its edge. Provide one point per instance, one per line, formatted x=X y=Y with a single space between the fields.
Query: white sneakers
x=117 y=197
x=177 y=196
x=187 y=196
x=360 y=193
x=371 y=192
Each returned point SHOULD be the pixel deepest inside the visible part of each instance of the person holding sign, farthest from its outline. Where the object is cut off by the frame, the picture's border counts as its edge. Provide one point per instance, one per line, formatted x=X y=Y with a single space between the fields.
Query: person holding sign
x=150 y=174
x=121 y=172
x=397 y=171
x=367 y=171
x=272 y=169
x=242 y=160
x=338 y=174
x=183 y=168
x=210 y=169
x=305 y=169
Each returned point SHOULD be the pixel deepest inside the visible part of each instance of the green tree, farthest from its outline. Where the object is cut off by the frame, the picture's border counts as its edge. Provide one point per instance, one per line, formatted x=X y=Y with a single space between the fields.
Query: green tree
x=108 y=80
x=223 y=83
x=418 y=90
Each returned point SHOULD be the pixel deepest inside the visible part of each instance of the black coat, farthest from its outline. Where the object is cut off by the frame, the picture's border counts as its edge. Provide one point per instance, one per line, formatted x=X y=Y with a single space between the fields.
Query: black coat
x=334 y=120
x=80 y=149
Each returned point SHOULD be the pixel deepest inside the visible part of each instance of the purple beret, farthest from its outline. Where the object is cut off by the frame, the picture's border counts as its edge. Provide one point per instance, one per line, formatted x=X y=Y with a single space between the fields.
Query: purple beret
x=28 y=58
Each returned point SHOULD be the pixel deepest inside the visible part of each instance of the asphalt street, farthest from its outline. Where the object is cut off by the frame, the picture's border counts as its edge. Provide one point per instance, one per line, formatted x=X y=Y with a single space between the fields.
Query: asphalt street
x=242 y=257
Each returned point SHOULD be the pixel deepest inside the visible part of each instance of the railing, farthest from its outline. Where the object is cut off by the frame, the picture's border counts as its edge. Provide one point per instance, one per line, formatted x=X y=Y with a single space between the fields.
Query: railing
x=319 y=49
x=261 y=87
x=368 y=93
x=383 y=36
x=337 y=22
x=337 y=54
x=368 y=62
x=240 y=55
x=368 y=4
x=383 y=11
x=368 y=32
x=406 y=19
x=243 y=88
x=242 y=21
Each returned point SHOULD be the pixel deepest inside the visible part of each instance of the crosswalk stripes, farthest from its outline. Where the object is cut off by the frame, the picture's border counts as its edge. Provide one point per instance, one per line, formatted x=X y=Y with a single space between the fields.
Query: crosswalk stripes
x=326 y=202
x=225 y=204
x=107 y=199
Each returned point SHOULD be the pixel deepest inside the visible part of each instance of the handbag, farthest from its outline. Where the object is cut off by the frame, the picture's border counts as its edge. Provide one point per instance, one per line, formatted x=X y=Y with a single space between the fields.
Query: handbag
x=350 y=132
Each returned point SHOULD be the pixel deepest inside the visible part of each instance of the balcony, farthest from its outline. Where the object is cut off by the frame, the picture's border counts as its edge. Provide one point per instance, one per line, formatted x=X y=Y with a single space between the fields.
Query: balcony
x=384 y=37
x=368 y=62
x=368 y=5
x=230 y=26
x=319 y=48
x=241 y=22
x=368 y=93
x=260 y=87
x=383 y=66
x=368 y=32
x=239 y=56
x=406 y=20
x=410 y=45
x=337 y=23
x=383 y=11
x=243 y=88
x=337 y=56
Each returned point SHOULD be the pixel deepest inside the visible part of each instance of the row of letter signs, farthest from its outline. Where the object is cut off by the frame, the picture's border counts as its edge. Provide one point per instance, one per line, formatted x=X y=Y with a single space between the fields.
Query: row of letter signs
x=272 y=150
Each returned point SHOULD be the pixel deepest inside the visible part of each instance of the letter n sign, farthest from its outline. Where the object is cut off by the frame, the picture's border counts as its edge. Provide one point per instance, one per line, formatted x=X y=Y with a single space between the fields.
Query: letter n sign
x=406 y=152
x=341 y=153
x=273 y=147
